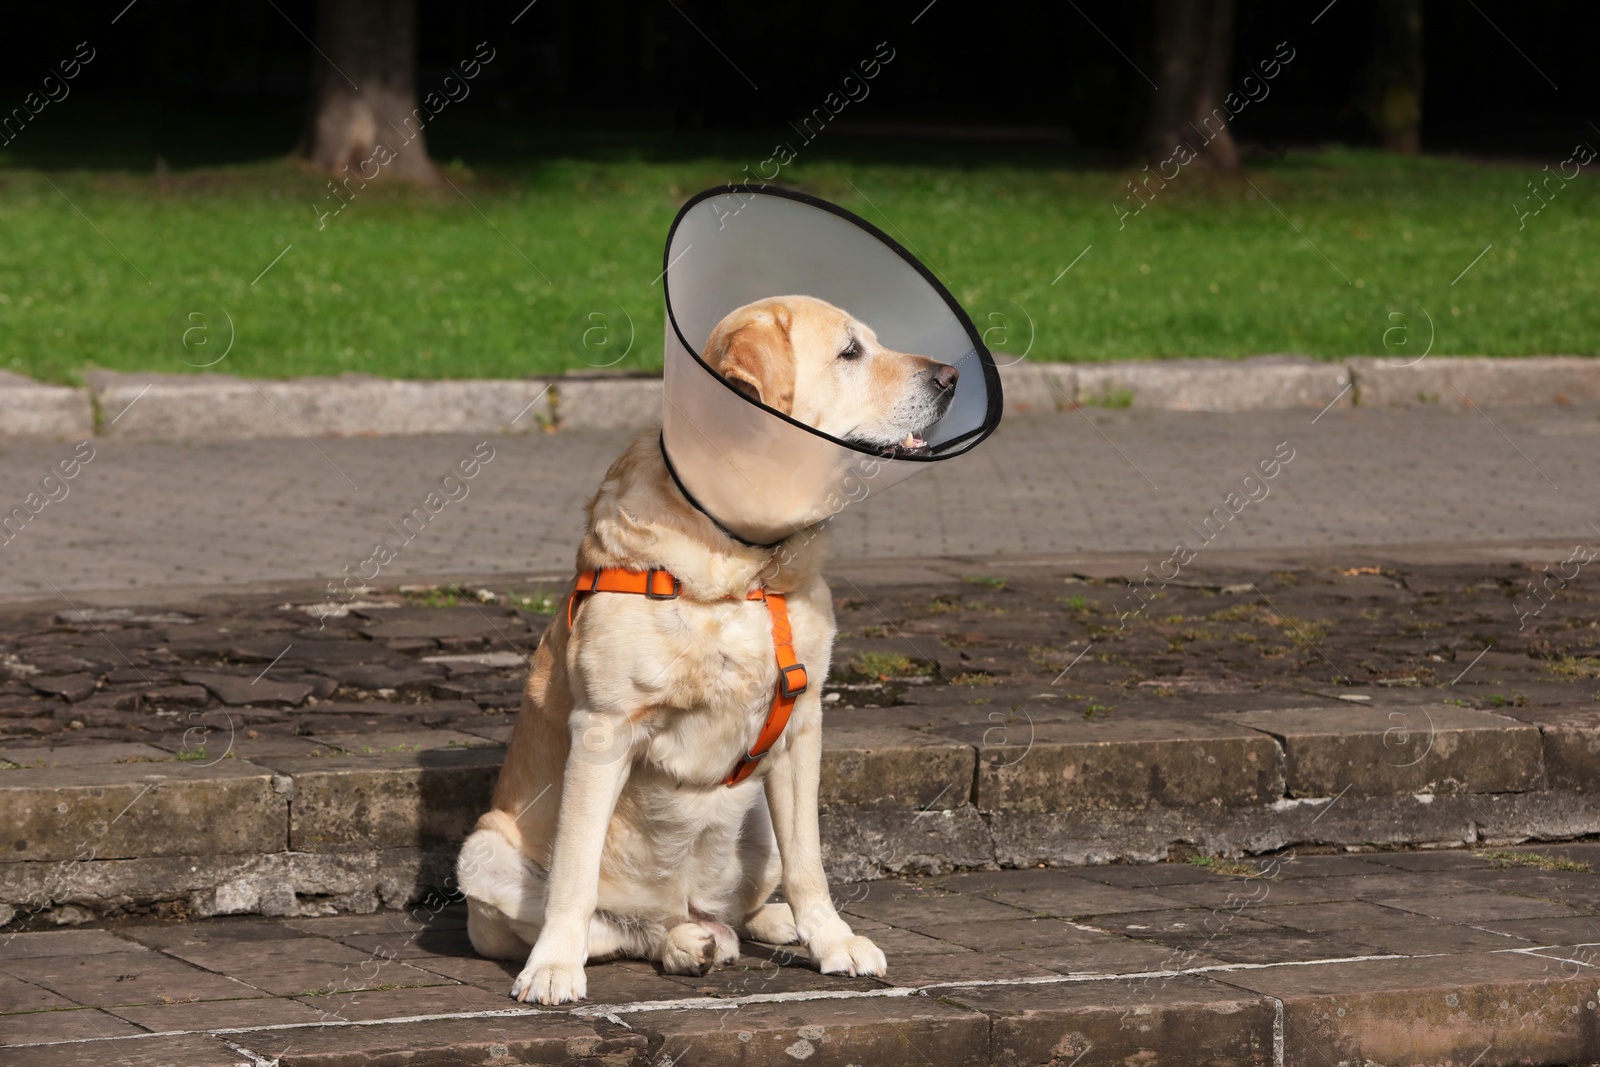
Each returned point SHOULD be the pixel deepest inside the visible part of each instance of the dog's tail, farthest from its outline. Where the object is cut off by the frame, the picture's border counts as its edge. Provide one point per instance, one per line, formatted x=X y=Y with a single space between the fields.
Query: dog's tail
x=493 y=870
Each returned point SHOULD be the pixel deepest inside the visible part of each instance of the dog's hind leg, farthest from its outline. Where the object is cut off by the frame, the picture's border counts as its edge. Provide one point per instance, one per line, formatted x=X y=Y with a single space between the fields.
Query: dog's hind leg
x=493 y=935
x=727 y=941
x=772 y=924
x=614 y=938
x=505 y=890
x=692 y=948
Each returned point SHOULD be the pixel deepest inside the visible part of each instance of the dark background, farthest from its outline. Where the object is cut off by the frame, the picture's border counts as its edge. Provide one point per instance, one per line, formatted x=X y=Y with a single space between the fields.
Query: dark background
x=197 y=83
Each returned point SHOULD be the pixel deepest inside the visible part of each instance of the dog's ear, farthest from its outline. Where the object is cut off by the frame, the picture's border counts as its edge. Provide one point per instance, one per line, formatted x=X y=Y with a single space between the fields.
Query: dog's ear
x=757 y=359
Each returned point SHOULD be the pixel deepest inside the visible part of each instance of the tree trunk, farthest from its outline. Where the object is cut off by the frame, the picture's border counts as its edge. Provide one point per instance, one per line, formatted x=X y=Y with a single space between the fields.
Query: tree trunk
x=1394 y=100
x=1194 y=58
x=364 y=115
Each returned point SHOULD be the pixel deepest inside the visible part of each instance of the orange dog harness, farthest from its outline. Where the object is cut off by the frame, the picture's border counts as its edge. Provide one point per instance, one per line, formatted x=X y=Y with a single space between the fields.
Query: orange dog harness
x=661 y=585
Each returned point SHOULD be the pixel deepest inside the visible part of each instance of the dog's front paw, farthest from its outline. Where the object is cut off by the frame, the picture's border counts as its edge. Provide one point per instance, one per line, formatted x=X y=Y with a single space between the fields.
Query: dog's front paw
x=855 y=955
x=550 y=983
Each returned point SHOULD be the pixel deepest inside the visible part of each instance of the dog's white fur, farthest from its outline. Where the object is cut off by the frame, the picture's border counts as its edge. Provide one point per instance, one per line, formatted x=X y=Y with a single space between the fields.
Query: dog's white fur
x=611 y=833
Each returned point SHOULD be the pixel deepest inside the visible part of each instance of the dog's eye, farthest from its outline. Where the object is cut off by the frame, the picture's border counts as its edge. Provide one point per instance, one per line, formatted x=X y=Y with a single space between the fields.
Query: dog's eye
x=852 y=350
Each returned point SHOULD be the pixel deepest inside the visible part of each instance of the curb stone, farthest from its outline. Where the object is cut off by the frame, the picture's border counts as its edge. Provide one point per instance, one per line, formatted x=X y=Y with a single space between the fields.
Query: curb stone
x=218 y=406
x=33 y=409
x=177 y=406
x=1038 y=386
x=603 y=403
x=1254 y=384
x=1478 y=380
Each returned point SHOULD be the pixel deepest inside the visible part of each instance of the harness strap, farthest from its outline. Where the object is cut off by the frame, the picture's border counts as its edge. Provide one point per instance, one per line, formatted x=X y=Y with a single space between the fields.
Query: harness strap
x=653 y=583
x=662 y=585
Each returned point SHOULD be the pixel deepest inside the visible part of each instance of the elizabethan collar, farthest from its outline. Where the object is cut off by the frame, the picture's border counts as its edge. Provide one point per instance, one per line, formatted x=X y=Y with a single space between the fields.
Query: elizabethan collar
x=759 y=474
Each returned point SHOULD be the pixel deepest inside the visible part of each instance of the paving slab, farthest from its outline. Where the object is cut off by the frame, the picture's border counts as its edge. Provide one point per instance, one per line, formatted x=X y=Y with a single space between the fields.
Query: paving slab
x=1495 y=1008
x=136 y=976
x=1430 y=860
x=1099 y=954
x=783 y=972
x=427 y=942
x=265 y=692
x=23 y=945
x=534 y=1038
x=140 y=809
x=1178 y=1020
x=360 y=1005
x=18 y=996
x=1478 y=907
x=1085 y=765
x=918 y=903
x=867 y=765
x=616 y=983
x=1571 y=738
x=305 y=966
x=1055 y=892
x=1424 y=748
x=1010 y=936
x=895 y=1033
x=217 y=1014
x=388 y=800
x=1570 y=930
x=942 y=968
x=90 y=1051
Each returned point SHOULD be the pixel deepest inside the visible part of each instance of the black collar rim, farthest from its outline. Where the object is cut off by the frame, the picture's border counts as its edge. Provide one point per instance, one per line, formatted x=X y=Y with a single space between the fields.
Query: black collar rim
x=661 y=440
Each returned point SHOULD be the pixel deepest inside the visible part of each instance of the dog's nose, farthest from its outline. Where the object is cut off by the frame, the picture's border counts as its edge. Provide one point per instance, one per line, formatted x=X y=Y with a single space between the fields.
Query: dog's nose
x=945 y=378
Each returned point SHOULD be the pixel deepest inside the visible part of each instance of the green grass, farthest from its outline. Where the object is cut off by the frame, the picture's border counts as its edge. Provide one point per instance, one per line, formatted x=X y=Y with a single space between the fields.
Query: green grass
x=425 y=284
x=539 y=602
x=886 y=665
x=1116 y=397
x=1504 y=859
x=1218 y=865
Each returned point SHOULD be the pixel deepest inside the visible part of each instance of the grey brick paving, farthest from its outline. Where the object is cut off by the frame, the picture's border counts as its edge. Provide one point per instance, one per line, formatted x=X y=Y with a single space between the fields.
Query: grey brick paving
x=153 y=514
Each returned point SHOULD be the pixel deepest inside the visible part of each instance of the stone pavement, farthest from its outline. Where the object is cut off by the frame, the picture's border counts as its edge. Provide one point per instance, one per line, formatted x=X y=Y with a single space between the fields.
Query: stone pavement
x=150 y=515
x=1482 y=957
x=246 y=754
x=1291 y=800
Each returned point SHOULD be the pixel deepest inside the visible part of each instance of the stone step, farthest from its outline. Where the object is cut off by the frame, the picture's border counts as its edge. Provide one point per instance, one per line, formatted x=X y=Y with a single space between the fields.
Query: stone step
x=1468 y=958
x=295 y=753
x=287 y=826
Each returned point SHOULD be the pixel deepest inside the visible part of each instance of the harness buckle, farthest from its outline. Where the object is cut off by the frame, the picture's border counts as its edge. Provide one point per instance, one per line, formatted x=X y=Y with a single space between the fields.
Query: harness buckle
x=786 y=688
x=650 y=585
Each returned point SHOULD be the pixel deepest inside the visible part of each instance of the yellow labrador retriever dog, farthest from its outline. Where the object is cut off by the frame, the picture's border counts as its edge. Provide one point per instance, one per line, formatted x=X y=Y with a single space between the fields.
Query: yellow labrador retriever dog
x=615 y=831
